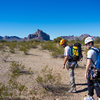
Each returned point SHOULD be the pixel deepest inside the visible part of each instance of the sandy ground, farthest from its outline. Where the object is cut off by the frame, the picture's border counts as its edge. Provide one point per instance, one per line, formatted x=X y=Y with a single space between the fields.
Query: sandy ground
x=36 y=60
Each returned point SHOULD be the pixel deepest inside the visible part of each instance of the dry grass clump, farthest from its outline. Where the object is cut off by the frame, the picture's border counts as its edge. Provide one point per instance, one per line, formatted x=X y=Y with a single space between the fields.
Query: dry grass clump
x=53 y=47
x=50 y=82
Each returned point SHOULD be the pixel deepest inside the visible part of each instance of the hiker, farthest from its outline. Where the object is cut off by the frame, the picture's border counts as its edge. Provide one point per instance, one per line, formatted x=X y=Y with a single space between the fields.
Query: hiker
x=70 y=65
x=92 y=73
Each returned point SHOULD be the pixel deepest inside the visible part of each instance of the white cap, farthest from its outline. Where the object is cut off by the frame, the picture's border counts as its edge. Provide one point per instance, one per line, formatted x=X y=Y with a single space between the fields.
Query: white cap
x=88 y=39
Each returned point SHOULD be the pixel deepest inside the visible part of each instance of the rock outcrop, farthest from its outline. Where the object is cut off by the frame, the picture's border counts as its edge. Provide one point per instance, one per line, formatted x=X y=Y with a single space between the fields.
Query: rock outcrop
x=39 y=35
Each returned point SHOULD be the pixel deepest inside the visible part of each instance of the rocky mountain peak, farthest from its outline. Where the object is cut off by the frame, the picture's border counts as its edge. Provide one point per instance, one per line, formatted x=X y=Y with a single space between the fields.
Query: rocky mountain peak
x=39 y=35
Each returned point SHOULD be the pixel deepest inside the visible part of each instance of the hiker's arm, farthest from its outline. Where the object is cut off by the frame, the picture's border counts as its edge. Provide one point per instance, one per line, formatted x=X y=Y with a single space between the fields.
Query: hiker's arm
x=65 y=60
x=87 y=67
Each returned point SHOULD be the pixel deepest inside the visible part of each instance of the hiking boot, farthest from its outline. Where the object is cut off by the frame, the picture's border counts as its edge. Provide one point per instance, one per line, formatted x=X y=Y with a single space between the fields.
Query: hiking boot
x=88 y=98
x=72 y=90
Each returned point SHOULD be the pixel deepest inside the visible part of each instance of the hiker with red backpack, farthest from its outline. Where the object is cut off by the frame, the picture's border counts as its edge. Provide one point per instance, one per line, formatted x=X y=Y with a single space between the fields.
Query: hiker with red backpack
x=92 y=73
x=71 y=55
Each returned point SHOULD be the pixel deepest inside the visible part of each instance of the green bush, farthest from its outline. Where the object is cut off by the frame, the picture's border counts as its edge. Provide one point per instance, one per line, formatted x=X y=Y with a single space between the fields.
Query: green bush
x=34 y=43
x=1 y=46
x=16 y=69
x=47 y=77
x=22 y=45
x=97 y=46
x=57 y=40
x=26 y=45
x=97 y=40
x=48 y=81
x=3 y=91
x=53 y=47
x=24 y=49
x=13 y=90
x=12 y=45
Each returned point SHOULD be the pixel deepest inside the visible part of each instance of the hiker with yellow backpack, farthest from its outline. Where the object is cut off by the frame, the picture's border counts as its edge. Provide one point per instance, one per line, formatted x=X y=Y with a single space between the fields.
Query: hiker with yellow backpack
x=72 y=54
x=92 y=73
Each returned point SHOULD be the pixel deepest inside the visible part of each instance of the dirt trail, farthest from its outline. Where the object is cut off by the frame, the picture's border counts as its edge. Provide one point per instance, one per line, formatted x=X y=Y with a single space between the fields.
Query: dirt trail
x=37 y=59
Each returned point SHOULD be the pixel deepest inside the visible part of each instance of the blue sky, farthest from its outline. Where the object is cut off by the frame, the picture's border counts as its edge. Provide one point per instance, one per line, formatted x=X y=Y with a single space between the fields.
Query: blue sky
x=55 y=17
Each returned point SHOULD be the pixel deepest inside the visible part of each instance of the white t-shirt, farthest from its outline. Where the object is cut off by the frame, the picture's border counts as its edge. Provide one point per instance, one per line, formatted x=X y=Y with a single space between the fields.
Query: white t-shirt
x=91 y=54
x=67 y=52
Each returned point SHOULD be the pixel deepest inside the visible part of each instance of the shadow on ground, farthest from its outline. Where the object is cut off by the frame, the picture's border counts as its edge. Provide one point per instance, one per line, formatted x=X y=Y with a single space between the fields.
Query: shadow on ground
x=60 y=90
x=82 y=90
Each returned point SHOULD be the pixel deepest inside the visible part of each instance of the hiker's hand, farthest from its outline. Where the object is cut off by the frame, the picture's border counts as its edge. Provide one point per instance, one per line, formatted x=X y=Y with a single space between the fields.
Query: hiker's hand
x=64 y=66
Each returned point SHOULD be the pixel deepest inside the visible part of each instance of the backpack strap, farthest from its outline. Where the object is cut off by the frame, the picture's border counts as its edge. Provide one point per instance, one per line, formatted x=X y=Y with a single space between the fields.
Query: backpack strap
x=96 y=53
x=71 y=58
x=95 y=50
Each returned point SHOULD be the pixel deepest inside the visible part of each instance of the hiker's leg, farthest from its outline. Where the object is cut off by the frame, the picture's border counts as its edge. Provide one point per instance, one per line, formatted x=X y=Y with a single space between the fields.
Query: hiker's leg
x=71 y=76
x=97 y=88
x=90 y=87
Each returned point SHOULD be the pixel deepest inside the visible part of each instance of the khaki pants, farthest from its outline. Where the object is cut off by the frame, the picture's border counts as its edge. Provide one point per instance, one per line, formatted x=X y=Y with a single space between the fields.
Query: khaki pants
x=70 y=67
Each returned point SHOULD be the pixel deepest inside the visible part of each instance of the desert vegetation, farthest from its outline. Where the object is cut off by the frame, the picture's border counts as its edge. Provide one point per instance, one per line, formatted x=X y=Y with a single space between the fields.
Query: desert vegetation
x=15 y=90
x=47 y=82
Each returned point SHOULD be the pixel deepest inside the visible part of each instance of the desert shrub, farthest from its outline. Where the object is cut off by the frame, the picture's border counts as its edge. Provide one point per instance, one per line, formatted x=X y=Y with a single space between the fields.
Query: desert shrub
x=97 y=40
x=22 y=45
x=52 y=47
x=97 y=46
x=34 y=43
x=49 y=82
x=57 y=40
x=25 y=46
x=58 y=52
x=48 y=46
x=47 y=77
x=1 y=46
x=3 y=91
x=13 y=90
x=24 y=49
x=12 y=45
x=16 y=69
x=2 y=41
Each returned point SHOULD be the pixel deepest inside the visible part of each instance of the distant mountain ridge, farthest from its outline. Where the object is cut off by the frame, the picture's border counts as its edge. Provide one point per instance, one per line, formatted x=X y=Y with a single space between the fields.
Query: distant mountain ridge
x=38 y=35
x=42 y=36
x=1 y=37
x=11 y=38
x=81 y=37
